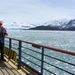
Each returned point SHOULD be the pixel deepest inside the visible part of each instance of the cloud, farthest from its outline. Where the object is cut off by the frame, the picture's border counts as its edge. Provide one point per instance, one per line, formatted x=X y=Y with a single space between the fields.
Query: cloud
x=36 y=11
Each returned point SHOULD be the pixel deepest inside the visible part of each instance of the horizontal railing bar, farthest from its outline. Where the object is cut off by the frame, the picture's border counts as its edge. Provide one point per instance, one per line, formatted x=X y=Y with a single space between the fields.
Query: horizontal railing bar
x=50 y=48
x=31 y=56
x=58 y=68
x=31 y=62
x=15 y=44
x=13 y=38
x=60 y=60
x=49 y=71
x=31 y=50
x=31 y=68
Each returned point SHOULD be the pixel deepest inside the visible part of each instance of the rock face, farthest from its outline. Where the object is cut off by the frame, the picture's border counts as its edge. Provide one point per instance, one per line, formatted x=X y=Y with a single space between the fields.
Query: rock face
x=57 y=25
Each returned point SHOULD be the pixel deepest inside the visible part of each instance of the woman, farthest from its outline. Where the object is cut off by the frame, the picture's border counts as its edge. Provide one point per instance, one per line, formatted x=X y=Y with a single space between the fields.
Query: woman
x=3 y=34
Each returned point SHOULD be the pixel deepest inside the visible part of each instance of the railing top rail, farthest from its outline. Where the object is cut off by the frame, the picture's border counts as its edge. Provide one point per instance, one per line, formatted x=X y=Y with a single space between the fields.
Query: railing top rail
x=50 y=48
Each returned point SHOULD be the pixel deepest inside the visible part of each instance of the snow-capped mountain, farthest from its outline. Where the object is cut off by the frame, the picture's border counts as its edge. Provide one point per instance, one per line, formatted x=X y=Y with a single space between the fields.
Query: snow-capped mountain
x=18 y=25
x=68 y=25
x=57 y=25
x=63 y=24
x=56 y=22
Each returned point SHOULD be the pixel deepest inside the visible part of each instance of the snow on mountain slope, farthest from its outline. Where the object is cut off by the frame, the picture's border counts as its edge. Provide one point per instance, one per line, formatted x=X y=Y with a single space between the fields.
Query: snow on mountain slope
x=18 y=25
x=64 y=23
x=56 y=22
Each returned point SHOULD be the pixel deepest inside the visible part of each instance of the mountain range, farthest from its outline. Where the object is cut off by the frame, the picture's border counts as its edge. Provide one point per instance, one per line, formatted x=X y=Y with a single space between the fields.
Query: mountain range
x=57 y=25
x=63 y=24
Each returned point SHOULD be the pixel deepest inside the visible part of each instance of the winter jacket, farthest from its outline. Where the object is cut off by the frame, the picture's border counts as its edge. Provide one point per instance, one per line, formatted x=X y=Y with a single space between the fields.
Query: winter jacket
x=3 y=32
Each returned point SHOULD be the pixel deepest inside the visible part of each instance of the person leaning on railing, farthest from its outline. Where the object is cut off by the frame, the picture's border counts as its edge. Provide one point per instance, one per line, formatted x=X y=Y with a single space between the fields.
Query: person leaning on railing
x=3 y=34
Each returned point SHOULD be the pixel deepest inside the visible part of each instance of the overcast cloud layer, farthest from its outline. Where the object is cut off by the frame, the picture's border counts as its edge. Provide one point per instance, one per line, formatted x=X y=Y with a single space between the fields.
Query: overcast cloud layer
x=36 y=11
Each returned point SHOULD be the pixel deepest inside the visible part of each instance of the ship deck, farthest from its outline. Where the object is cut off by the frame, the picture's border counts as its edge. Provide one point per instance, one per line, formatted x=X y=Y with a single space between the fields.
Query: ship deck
x=8 y=68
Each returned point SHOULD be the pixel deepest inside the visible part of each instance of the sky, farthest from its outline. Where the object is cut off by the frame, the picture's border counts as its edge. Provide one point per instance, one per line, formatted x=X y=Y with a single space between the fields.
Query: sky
x=36 y=11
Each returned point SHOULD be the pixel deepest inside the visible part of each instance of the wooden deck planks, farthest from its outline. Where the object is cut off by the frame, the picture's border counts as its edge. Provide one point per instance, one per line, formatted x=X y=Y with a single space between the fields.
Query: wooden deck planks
x=6 y=69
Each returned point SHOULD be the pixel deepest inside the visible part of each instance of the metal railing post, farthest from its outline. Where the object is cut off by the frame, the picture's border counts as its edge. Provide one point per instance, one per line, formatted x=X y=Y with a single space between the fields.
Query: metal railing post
x=19 y=60
x=9 y=43
x=42 y=59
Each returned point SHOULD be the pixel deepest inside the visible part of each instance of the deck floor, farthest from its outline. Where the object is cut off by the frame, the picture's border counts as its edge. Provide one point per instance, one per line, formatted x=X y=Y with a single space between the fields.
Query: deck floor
x=8 y=68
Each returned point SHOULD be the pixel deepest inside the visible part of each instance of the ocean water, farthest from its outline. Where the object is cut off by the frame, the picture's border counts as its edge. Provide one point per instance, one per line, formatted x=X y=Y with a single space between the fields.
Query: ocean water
x=59 y=39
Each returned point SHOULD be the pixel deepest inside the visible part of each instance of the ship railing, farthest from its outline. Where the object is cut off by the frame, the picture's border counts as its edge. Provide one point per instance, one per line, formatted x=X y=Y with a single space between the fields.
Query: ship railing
x=39 y=59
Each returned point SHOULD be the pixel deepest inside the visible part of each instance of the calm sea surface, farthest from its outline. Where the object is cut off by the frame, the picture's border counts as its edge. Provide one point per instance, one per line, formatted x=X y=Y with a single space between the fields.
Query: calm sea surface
x=58 y=39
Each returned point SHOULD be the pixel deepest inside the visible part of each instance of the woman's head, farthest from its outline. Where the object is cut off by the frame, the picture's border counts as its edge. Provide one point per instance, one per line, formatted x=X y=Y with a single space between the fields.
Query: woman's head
x=1 y=23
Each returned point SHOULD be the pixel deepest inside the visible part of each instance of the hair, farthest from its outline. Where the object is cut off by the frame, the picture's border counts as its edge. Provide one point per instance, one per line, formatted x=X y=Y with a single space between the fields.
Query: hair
x=1 y=22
